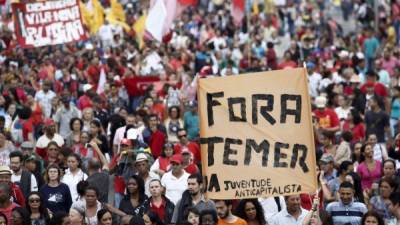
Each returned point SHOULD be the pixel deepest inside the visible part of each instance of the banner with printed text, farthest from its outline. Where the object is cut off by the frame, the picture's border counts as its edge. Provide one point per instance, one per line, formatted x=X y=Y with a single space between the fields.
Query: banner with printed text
x=48 y=23
x=256 y=135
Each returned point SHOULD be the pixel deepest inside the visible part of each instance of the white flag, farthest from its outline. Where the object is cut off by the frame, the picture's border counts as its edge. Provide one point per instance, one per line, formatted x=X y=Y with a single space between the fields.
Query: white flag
x=156 y=19
x=102 y=82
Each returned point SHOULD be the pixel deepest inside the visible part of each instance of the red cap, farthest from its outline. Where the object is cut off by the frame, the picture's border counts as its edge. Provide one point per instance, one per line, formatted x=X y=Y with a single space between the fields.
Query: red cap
x=126 y=141
x=49 y=122
x=370 y=84
x=176 y=158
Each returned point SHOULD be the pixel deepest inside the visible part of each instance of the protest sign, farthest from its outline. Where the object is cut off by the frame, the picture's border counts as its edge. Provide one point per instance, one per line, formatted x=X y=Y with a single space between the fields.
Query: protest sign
x=256 y=135
x=48 y=23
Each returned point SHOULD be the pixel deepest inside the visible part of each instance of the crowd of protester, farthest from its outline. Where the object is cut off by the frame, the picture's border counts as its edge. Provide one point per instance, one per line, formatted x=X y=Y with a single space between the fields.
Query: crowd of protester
x=73 y=151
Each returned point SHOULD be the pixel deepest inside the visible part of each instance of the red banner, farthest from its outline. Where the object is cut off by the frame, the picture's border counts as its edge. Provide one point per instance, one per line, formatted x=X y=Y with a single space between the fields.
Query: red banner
x=48 y=23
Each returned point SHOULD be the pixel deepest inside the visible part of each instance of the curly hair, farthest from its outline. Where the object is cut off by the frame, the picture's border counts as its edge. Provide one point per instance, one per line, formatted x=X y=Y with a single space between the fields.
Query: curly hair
x=241 y=210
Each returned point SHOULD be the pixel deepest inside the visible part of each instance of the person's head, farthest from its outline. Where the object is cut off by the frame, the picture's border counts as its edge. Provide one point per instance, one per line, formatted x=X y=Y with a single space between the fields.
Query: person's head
x=16 y=159
x=224 y=208
x=372 y=218
x=76 y=216
x=345 y=167
x=27 y=148
x=374 y=102
x=195 y=184
x=135 y=185
x=372 y=139
x=53 y=150
x=94 y=166
x=168 y=150
x=35 y=201
x=130 y=120
x=193 y=216
x=151 y=218
x=137 y=220
x=74 y=161
x=367 y=151
x=347 y=136
x=327 y=163
x=182 y=136
x=87 y=114
x=155 y=187
x=346 y=192
x=292 y=203
x=95 y=127
x=53 y=173
x=176 y=163
x=152 y=120
x=208 y=217
x=5 y=192
x=104 y=217
x=91 y=195
x=76 y=124
x=250 y=209
x=20 y=216
x=357 y=149
x=50 y=127
x=174 y=112
x=389 y=168
x=142 y=163
x=60 y=218
x=85 y=137
x=5 y=174
x=387 y=186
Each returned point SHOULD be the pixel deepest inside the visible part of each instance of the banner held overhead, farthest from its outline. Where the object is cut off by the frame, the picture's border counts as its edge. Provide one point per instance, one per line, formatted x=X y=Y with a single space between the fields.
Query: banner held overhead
x=256 y=135
x=47 y=23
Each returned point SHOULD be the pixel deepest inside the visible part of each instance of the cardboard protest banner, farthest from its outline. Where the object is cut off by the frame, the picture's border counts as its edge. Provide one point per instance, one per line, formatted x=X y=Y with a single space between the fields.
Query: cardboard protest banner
x=47 y=23
x=256 y=135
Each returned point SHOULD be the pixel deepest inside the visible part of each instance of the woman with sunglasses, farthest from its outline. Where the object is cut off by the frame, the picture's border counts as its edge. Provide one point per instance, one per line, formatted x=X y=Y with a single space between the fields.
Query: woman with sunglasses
x=38 y=213
x=56 y=195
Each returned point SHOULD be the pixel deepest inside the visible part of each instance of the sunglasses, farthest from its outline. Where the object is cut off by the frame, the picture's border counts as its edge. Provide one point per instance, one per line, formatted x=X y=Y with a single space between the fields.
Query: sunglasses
x=32 y=200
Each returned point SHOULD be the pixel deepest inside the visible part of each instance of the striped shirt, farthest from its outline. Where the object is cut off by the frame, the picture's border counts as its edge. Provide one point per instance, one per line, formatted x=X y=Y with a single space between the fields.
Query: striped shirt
x=346 y=214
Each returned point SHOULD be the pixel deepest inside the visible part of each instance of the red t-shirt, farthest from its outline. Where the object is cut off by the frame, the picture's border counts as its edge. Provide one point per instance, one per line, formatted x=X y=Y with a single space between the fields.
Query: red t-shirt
x=327 y=118
x=84 y=102
x=379 y=89
x=358 y=131
x=157 y=141
x=192 y=169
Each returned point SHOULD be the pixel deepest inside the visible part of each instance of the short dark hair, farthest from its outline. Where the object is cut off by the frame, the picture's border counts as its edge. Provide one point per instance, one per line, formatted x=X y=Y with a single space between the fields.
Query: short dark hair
x=72 y=121
x=227 y=202
x=93 y=188
x=346 y=184
x=211 y=212
x=347 y=136
x=373 y=214
x=198 y=177
x=344 y=166
x=18 y=154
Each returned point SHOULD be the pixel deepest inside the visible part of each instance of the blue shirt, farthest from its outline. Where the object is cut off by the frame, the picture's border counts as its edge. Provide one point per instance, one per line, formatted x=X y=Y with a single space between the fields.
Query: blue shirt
x=370 y=47
x=342 y=214
x=395 y=113
x=57 y=199
x=191 y=122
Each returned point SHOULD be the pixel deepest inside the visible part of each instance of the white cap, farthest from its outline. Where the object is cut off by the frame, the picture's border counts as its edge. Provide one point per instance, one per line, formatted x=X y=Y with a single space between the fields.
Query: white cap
x=360 y=55
x=320 y=101
x=343 y=54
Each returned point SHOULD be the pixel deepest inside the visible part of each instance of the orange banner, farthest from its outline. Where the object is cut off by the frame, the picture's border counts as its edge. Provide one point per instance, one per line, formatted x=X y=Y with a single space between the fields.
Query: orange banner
x=256 y=135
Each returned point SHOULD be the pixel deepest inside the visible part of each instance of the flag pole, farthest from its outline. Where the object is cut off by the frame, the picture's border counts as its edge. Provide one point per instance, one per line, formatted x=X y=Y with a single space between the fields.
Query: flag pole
x=247 y=14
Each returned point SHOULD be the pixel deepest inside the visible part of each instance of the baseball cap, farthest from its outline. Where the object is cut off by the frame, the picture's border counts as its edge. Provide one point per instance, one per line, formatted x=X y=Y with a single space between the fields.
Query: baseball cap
x=327 y=158
x=5 y=170
x=320 y=101
x=126 y=141
x=141 y=157
x=27 y=145
x=49 y=122
x=176 y=159
x=132 y=134
x=186 y=151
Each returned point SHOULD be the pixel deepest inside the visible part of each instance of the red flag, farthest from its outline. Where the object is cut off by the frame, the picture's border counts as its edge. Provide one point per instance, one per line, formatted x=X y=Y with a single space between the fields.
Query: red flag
x=188 y=2
x=237 y=11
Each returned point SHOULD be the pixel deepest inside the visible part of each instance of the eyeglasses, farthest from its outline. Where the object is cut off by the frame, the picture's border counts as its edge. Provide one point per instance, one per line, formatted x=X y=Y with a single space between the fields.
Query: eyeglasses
x=32 y=200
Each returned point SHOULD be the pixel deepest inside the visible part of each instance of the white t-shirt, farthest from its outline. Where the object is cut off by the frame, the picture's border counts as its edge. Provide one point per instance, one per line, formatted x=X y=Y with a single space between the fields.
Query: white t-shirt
x=44 y=100
x=174 y=187
x=72 y=182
